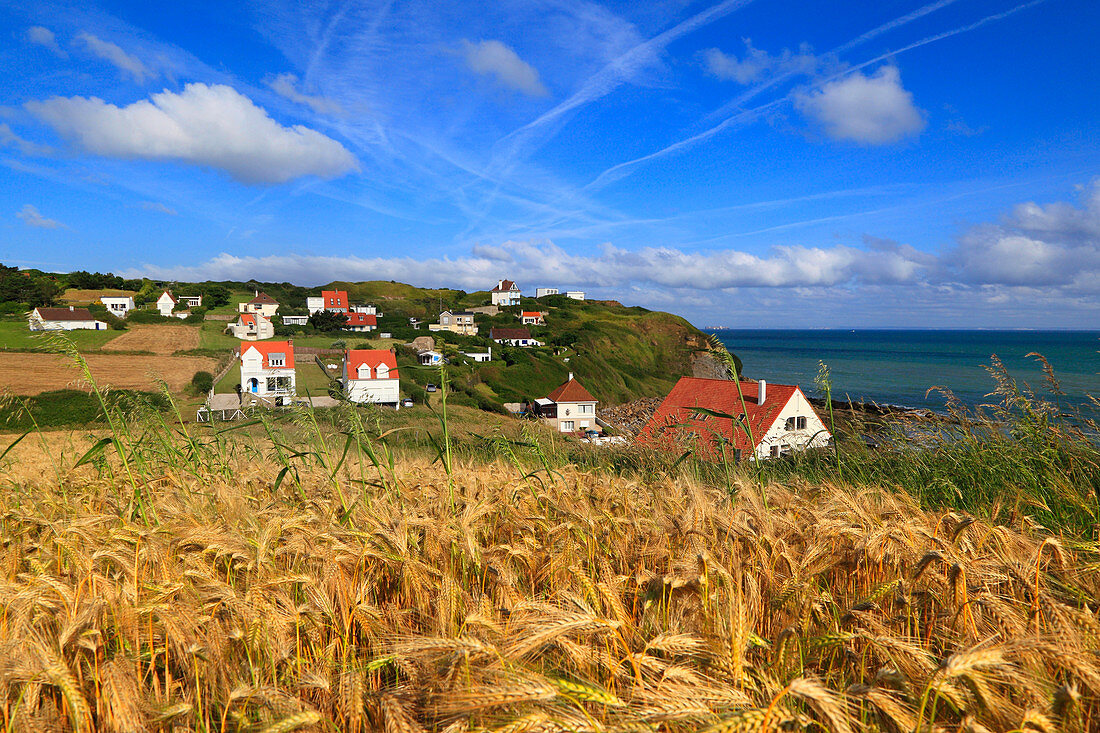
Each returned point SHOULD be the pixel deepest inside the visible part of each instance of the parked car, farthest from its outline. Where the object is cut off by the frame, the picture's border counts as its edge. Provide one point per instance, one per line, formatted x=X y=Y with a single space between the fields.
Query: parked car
x=430 y=388
x=407 y=402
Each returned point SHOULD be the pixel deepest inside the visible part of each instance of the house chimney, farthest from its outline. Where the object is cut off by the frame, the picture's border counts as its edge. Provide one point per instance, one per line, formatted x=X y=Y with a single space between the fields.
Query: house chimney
x=570 y=377
x=257 y=293
x=762 y=392
x=71 y=308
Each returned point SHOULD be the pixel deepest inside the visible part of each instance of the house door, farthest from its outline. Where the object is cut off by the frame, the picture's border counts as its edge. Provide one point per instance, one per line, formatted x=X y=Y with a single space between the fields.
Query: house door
x=253 y=385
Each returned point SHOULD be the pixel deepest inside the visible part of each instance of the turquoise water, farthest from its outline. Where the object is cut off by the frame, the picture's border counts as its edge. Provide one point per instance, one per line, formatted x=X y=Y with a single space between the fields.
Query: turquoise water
x=898 y=367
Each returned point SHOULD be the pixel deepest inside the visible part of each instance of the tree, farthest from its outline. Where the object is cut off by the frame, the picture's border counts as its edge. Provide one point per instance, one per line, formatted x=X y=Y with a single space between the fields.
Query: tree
x=328 y=321
x=214 y=295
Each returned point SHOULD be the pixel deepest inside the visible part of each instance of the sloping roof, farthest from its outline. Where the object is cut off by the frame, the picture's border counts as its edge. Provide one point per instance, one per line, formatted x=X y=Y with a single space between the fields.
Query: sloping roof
x=372 y=358
x=678 y=415
x=65 y=314
x=170 y=296
x=571 y=391
x=263 y=299
x=335 y=298
x=530 y=314
x=266 y=348
x=509 y=333
x=362 y=319
x=248 y=319
x=504 y=285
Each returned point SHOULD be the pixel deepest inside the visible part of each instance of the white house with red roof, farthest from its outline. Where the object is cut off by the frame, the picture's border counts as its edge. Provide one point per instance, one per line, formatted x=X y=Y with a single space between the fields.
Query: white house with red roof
x=569 y=409
x=252 y=327
x=166 y=303
x=361 y=322
x=532 y=318
x=335 y=301
x=267 y=370
x=371 y=375
x=506 y=293
x=64 y=319
x=263 y=304
x=778 y=416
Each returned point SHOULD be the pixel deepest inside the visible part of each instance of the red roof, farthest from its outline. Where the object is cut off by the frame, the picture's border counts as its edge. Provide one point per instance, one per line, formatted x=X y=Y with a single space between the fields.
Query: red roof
x=504 y=285
x=263 y=299
x=267 y=348
x=571 y=391
x=362 y=319
x=65 y=314
x=372 y=358
x=335 y=298
x=169 y=294
x=678 y=415
x=248 y=319
x=530 y=314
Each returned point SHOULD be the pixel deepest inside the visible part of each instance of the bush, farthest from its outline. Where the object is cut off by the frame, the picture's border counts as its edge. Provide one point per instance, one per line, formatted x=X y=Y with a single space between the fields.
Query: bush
x=71 y=407
x=148 y=316
x=202 y=381
x=341 y=344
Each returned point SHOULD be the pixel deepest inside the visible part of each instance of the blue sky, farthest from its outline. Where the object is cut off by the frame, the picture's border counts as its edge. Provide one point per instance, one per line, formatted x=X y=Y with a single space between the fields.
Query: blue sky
x=747 y=163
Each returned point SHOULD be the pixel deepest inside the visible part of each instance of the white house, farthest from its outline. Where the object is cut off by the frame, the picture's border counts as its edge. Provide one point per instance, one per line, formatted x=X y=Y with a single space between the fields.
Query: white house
x=506 y=293
x=569 y=409
x=267 y=370
x=361 y=322
x=191 y=301
x=64 y=319
x=166 y=303
x=457 y=321
x=370 y=310
x=263 y=304
x=295 y=320
x=575 y=294
x=252 y=327
x=479 y=356
x=513 y=337
x=779 y=417
x=543 y=292
x=118 y=305
x=532 y=318
x=429 y=358
x=370 y=375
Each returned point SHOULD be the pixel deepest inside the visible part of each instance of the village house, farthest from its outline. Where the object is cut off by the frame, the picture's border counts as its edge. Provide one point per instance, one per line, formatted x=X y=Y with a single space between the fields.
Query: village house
x=575 y=294
x=532 y=318
x=506 y=293
x=118 y=305
x=252 y=327
x=568 y=409
x=479 y=356
x=334 y=301
x=778 y=416
x=370 y=375
x=267 y=370
x=298 y=320
x=361 y=322
x=543 y=292
x=429 y=357
x=263 y=304
x=513 y=337
x=190 y=301
x=64 y=319
x=369 y=310
x=167 y=303
x=457 y=321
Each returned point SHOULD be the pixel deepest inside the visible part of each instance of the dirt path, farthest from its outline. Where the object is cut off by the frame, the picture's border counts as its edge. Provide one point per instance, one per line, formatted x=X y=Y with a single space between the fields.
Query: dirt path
x=157 y=338
x=30 y=373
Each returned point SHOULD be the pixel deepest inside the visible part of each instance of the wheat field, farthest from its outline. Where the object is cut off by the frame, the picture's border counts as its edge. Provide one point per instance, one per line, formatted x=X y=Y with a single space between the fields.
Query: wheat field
x=195 y=585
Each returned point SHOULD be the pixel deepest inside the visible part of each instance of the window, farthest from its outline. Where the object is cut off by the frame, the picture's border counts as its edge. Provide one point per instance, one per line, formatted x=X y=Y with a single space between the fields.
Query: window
x=801 y=423
x=774 y=451
x=586 y=409
x=795 y=423
x=789 y=424
x=699 y=415
x=567 y=426
x=276 y=360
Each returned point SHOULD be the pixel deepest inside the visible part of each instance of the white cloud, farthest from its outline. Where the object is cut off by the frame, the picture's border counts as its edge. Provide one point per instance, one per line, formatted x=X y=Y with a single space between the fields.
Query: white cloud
x=207 y=125
x=115 y=55
x=873 y=110
x=32 y=218
x=158 y=207
x=286 y=85
x=493 y=58
x=44 y=37
x=757 y=62
x=26 y=147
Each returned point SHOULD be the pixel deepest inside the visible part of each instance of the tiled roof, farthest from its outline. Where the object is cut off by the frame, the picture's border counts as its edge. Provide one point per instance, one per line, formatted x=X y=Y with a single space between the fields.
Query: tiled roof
x=65 y=314
x=571 y=391
x=372 y=358
x=509 y=333
x=170 y=296
x=335 y=298
x=531 y=314
x=678 y=415
x=504 y=285
x=267 y=348
x=263 y=299
x=362 y=319
x=248 y=319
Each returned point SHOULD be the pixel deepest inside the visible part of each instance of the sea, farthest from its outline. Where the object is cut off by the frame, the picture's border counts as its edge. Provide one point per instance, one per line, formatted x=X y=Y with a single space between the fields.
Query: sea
x=900 y=367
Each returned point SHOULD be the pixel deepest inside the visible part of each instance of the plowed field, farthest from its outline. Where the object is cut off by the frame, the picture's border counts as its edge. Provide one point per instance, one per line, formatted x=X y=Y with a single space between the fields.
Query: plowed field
x=157 y=338
x=30 y=374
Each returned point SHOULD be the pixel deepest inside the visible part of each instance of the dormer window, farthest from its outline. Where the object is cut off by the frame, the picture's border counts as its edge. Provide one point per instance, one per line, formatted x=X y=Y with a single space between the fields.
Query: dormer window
x=276 y=360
